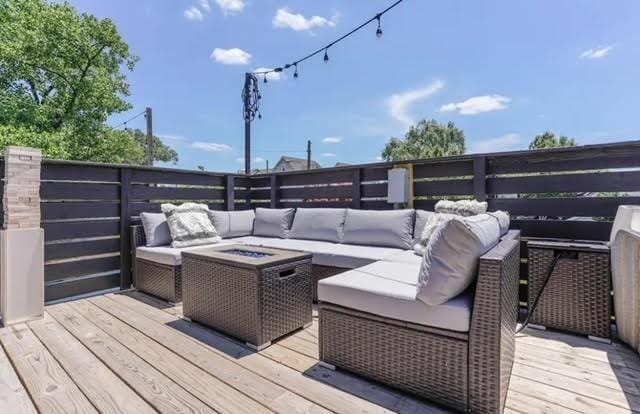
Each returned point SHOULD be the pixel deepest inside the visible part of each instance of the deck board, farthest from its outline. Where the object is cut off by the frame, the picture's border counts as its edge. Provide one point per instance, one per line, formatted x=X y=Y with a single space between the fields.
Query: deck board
x=133 y=353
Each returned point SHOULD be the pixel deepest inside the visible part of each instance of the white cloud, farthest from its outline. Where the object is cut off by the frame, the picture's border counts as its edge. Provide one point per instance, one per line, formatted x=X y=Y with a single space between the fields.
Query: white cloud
x=400 y=103
x=478 y=104
x=507 y=142
x=328 y=154
x=233 y=56
x=231 y=6
x=240 y=160
x=204 y=5
x=284 y=19
x=211 y=146
x=597 y=53
x=170 y=137
x=258 y=159
x=193 y=14
x=332 y=140
x=272 y=76
x=378 y=158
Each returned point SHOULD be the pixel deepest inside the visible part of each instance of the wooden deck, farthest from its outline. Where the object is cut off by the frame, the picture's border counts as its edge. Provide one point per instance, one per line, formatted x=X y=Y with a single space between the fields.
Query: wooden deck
x=130 y=353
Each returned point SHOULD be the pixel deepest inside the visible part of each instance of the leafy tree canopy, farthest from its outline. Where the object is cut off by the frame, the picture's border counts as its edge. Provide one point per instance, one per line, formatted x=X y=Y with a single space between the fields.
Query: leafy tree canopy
x=426 y=139
x=61 y=77
x=549 y=140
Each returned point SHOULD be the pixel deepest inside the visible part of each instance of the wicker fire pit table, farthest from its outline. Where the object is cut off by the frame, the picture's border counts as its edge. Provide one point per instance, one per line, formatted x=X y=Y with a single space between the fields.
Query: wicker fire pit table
x=255 y=294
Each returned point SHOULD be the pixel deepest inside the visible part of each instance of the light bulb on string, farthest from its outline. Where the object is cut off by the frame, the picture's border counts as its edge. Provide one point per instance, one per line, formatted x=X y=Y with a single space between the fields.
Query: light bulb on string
x=379 y=29
x=295 y=72
x=265 y=78
x=326 y=55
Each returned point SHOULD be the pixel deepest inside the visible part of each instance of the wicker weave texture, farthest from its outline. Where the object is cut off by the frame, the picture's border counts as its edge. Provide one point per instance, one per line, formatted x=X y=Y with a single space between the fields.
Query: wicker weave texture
x=429 y=365
x=256 y=306
x=322 y=272
x=577 y=297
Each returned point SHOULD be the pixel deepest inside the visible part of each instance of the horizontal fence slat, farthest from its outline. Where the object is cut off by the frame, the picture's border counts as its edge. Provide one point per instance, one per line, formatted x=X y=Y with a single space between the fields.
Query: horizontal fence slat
x=76 y=210
x=443 y=187
x=73 y=172
x=83 y=286
x=172 y=177
x=566 y=159
x=591 y=182
x=373 y=190
x=77 y=230
x=318 y=193
x=59 y=251
x=428 y=205
x=374 y=174
x=562 y=207
x=435 y=169
x=261 y=194
x=564 y=229
x=315 y=204
x=311 y=178
x=260 y=182
x=78 y=268
x=138 y=207
x=376 y=205
x=78 y=191
x=145 y=192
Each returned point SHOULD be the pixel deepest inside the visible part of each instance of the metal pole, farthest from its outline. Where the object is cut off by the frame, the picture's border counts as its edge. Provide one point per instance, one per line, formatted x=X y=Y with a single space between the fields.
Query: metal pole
x=149 y=117
x=267 y=166
x=308 y=154
x=247 y=122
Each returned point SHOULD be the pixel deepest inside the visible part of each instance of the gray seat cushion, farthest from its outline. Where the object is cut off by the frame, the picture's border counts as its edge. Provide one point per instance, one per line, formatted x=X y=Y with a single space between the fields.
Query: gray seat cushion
x=347 y=256
x=392 y=228
x=406 y=256
x=168 y=255
x=233 y=223
x=273 y=222
x=318 y=224
x=450 y=261
x=156 y=230
x=384 y=292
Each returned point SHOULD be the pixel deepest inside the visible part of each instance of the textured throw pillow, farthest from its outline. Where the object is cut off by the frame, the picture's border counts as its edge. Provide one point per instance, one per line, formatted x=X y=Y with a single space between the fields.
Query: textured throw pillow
x=156 y=230
x=503 y=220
x=461 y=207
x=450 y=261
x=189 y=225
x=233 y=223
x=318 y=224
x=390 y=228
x=421 y=220
x=427 y=231
x=273 y=222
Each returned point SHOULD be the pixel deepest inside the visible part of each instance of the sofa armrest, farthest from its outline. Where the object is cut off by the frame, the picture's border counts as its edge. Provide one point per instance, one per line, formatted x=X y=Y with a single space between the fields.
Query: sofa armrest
x=493 y=324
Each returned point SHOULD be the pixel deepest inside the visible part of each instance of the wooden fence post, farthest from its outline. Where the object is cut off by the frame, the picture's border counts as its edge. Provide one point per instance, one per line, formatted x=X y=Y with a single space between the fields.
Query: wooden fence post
x=480 y=178
x=355 y=197
x=274 y=191
x=231 y=193
x=125 y=233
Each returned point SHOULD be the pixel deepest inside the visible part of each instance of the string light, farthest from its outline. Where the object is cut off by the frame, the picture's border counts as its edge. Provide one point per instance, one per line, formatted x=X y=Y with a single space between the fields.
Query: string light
x=250 y=94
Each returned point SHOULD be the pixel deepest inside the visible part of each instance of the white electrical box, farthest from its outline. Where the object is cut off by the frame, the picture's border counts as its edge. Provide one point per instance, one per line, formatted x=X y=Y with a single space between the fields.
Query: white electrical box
x=398 y=186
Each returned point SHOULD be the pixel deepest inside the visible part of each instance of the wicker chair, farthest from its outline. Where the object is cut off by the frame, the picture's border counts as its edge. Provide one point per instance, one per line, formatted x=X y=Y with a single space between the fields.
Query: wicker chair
x=465 y=371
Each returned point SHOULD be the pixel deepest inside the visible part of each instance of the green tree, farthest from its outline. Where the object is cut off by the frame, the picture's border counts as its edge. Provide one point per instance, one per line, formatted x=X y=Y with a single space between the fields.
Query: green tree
x=62 y=74
x=426 y=139
x=549 y=140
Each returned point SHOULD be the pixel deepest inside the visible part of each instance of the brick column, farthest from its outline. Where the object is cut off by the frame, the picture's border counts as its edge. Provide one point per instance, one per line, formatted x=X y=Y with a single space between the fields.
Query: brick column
x=21 y=238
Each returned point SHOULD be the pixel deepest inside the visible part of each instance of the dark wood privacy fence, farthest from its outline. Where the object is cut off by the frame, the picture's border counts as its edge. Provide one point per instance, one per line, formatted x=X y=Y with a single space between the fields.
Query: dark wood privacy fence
x=87 y=208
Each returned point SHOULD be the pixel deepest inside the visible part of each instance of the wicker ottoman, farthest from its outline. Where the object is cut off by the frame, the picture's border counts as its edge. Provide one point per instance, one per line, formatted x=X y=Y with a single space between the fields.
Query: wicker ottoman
x=255 y=294
x=577 y=297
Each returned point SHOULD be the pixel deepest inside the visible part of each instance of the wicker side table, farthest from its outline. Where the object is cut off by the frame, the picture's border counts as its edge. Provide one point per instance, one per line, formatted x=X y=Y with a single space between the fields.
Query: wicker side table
x=252 y=293
x=577 y=297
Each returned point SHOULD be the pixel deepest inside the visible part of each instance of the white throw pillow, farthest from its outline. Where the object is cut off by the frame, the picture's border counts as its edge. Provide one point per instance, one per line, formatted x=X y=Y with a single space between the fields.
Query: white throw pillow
x=450 y=261
x=461 y=207
x=430 y=226
x=189 y=225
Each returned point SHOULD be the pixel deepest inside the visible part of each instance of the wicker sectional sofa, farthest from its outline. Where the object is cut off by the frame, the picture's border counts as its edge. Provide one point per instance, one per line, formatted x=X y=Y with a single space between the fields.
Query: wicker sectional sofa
x=458 y=353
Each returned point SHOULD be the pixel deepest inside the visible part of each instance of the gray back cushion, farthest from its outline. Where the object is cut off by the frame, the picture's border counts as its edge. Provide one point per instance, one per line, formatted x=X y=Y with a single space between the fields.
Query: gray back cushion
x=450 y=261
x=318 y=224
x=156 y=230
x=233 y=223
x=273 y=222
x=391 y=228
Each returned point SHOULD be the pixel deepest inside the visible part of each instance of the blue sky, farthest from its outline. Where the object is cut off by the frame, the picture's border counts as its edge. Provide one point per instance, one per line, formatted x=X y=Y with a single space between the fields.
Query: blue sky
x=503 y=71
